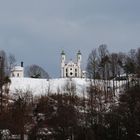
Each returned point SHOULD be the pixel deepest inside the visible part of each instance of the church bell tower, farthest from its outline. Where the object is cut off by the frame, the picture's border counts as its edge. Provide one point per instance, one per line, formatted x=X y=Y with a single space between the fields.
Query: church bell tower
x=63 y=59
x=79 y=58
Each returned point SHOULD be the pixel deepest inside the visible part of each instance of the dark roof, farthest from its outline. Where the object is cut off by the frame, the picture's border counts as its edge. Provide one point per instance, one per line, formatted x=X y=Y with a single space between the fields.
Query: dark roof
x=79 y=53
x=62 y=53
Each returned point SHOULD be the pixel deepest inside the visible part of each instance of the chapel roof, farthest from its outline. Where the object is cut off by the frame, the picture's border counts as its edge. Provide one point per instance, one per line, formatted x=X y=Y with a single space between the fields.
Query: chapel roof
x=17 y=68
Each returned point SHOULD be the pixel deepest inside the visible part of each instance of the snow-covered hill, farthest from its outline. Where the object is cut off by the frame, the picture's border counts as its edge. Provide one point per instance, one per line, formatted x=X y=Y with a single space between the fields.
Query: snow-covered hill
x=43 y=86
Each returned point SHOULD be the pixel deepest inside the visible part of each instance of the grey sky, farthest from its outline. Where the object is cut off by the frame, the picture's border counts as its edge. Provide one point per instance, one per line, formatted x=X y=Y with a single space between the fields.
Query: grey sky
x=37 y=30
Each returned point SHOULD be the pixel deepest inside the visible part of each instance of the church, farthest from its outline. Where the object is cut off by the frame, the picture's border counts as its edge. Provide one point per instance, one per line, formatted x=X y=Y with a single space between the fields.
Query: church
x=17 y=71
x=72 y=69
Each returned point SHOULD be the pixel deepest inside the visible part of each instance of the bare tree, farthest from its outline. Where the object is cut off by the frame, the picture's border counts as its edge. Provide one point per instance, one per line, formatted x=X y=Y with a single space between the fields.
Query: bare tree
x=92 y=64
x=130 y=65
x=4 y=79
x=12 y=61
x=70 y=88
x=138 y=61
x=36 y=71
x=104 y=59
x=114 y=68
x=21 y=110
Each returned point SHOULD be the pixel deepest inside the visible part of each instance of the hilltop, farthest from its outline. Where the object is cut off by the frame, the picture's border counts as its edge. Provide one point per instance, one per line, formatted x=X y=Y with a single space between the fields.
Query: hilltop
x=40 y=87
x=43 y=86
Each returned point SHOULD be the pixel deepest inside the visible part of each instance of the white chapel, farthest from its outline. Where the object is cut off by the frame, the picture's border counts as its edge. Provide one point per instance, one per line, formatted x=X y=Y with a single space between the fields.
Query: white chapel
x=71 y=69
x=17 y=71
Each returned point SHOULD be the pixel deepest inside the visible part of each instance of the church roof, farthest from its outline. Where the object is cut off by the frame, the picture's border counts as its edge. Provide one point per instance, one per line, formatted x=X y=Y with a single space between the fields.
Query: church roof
x=70 y=63
x=62 y=53
x=17 y=68
x=79 y=53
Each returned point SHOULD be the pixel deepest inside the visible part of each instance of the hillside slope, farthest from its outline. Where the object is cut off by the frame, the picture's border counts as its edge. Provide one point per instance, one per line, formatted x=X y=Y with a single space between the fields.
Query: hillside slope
x=43 y=86
x=40 y=87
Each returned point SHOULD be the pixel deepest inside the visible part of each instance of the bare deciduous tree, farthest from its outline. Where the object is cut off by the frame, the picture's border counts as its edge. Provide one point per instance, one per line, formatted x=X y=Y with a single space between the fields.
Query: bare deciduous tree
x=92 y=65
x=21 y=110
x=12 y=61
x=4 y=79
x=36 y=71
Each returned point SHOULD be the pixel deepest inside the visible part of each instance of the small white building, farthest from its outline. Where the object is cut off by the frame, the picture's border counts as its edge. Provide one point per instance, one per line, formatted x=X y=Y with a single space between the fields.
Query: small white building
x=17 y=71
x=71 y=69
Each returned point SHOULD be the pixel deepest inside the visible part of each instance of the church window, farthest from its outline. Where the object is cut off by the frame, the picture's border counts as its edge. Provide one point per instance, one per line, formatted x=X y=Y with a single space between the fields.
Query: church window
x=71 y=73
x=18 y=75
x=75 y=74
x=75 y=70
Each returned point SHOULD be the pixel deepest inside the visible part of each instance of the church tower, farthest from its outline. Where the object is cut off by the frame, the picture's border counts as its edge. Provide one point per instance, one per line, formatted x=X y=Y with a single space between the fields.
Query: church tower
x=79 y=58
x=63 y=59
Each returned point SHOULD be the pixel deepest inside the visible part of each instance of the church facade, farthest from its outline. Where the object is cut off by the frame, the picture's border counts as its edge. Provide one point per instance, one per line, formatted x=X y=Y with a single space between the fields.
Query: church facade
x=17 y=71
x=71 y=69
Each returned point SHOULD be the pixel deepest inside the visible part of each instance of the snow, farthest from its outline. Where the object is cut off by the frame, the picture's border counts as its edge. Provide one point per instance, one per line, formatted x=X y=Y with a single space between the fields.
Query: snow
x=44 y=86
x=17 y=68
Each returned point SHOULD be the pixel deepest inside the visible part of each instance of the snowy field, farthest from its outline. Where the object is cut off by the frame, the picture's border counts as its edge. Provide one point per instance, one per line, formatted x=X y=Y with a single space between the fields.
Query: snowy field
x=43 y=86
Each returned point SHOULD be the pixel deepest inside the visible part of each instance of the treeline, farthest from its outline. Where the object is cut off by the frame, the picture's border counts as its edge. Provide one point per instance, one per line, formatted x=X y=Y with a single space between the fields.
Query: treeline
x=105 y=65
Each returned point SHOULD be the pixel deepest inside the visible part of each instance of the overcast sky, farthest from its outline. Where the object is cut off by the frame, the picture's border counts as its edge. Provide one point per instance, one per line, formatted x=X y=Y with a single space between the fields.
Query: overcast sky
x=36 y=31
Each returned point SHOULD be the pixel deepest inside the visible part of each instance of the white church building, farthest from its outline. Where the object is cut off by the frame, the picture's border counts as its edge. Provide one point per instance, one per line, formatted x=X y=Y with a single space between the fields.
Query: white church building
x=17 y=71
x=72 y=69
